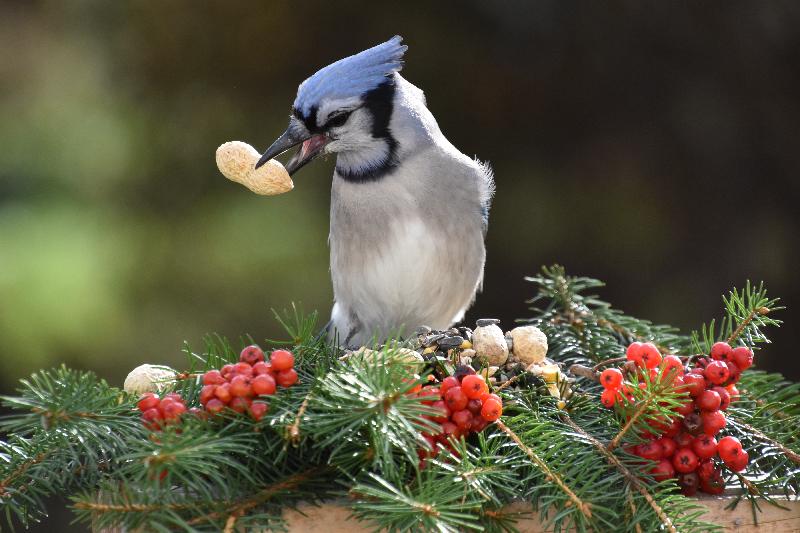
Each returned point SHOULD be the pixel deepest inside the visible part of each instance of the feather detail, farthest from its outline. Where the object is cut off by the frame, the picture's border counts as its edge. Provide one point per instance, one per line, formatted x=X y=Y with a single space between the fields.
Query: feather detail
x=351 y=76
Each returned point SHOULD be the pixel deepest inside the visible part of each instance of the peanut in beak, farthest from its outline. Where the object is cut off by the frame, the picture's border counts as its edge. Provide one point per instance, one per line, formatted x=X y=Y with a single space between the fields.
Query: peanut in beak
x=236 y=160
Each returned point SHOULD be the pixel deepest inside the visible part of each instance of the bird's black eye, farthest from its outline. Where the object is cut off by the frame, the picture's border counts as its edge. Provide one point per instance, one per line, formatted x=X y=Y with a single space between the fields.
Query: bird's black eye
x=338 y=119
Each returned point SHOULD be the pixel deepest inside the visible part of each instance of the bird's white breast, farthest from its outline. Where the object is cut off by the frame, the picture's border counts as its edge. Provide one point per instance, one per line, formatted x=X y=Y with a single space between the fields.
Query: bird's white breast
x=395 y=260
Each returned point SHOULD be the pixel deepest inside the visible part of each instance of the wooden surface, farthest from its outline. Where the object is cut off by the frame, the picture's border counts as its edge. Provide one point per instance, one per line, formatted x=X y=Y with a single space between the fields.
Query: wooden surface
x=332 y=518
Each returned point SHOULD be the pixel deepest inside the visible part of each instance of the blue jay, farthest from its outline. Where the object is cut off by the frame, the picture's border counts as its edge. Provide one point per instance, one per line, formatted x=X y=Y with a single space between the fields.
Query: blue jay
x=409 y=212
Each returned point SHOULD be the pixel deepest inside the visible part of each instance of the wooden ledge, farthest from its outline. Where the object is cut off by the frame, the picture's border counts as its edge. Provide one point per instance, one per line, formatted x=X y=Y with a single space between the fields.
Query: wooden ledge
x=333 y=518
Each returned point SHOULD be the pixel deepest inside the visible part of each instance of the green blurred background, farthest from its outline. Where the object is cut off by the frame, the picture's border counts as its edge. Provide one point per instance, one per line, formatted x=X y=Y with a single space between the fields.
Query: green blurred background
x=653 y=145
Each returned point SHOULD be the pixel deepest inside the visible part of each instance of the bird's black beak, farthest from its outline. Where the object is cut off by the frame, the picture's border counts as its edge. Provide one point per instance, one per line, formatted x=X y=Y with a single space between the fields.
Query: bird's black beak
x=310 y=147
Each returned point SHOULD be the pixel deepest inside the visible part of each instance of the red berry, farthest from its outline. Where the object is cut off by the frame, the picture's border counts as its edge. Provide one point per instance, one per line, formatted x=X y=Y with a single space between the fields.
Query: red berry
x=663 y=470
x=431 y=395
x=695 y=384
x=705 y=446
x=152 y=418
x=223 y=393
x=486 y=396
x=735 y=373
x=674 y=428
x=206 y=393
x=650 y=450
x=743 y=357
x=693 y=423
x=474 y=407
x=714 y=484
x=492 y=409
x=174 y=396
x=213 y=377
x=448 y=383
x=684 y=460
x=474 y=386
x=688 y=483
x=721 y=351
x=611 y=378
x=258 y=410
x=728 y=448
x=199 y=413
x=462 y=419
x=672 y=364
x=455 y=399
x=242 y=369
x=634 y=353
x=240 y=386
x=287 y=378
x=709 y=400
x=148 y=401
x=240 y=404
x=214 y=406
x=668 y=446
x=733 y=392
x=172 y=410
x=164 y=402
x=717 y=372
x=262 y=368
x=449 y=431
x=478 y=423
x=651 y=357
x=251 y=354
x=724 y=397
x=281 y=360
x=706 y=469
x=683 y=440
x=609 y=397
x=739 y=462
x=685 y=409
x=441 y=407
x=430 y=449
x=263 y=384
x=416 y=385
x=713 y=422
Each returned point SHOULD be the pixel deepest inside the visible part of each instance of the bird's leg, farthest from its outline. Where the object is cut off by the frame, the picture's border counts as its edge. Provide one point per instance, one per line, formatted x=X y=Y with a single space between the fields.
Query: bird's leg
x=324 y=331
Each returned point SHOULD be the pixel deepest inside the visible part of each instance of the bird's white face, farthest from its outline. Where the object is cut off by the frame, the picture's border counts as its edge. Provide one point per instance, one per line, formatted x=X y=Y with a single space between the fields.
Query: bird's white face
x=352 y=137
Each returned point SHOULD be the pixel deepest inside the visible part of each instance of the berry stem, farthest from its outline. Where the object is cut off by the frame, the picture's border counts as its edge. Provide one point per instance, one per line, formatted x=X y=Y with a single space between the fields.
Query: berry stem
x=634 y=418
x=551 y=476
x=751 y=488
x=262 y=496
x=584 y=371
x=511 y=381
x=20 y=470
x=188 y=375
x=234 y=509
x=294 y=430
x=632 y=479
x=629 y=498
x=792 y=455
x=230 y=523
x=746 y=322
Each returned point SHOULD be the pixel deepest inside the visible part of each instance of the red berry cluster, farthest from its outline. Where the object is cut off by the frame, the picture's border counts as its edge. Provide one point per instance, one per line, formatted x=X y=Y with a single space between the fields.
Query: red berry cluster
x=239 y=386
x=466 y=406
x=687 y=444
x=156 y=412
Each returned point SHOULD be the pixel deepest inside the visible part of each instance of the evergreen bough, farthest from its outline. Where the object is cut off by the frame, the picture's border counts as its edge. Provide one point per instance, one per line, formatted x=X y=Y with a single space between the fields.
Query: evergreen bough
x=349 y=431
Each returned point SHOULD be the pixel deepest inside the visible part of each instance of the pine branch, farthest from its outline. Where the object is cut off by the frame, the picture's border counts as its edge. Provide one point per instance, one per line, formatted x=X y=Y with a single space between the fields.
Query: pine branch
x=360 y=403
x=550 y=475
x=632 y=479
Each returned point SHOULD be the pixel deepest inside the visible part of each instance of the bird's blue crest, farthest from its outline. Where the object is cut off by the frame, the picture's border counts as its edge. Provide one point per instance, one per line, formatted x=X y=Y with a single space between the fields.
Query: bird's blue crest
x=352 y=76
